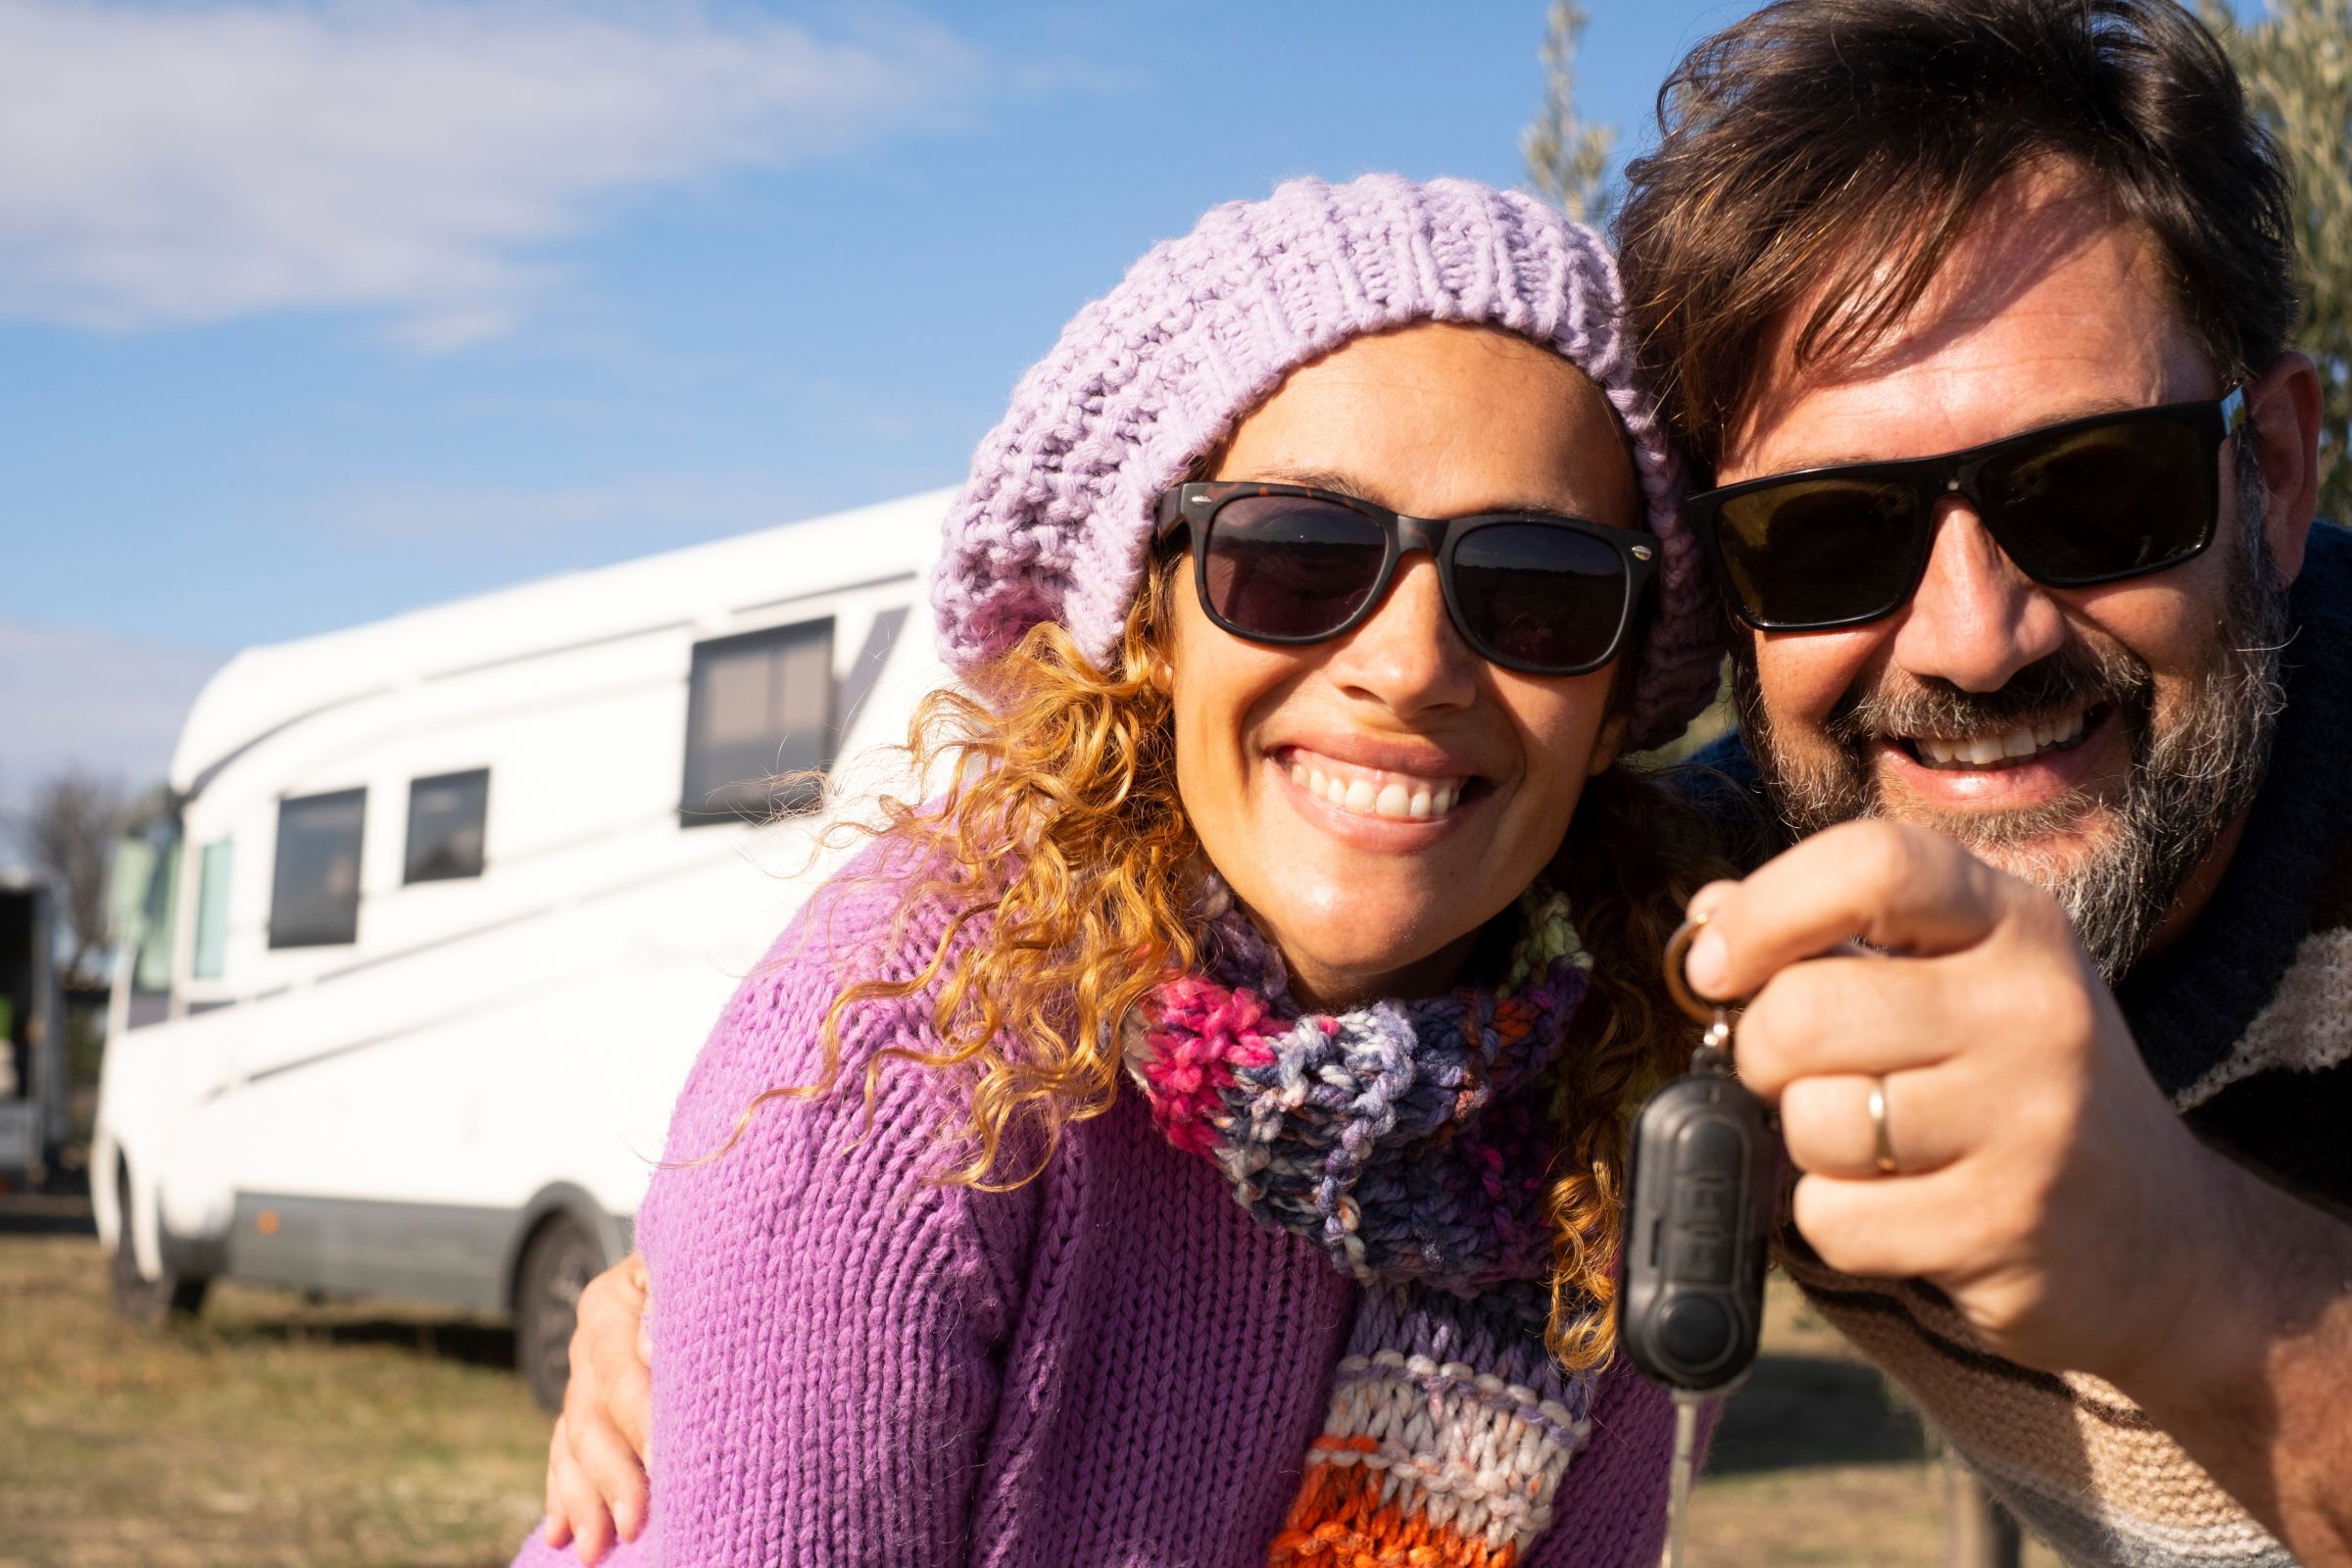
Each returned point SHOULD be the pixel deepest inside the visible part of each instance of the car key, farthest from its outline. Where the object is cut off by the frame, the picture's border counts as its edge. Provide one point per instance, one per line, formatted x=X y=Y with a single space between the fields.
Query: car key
x=1703 y=1168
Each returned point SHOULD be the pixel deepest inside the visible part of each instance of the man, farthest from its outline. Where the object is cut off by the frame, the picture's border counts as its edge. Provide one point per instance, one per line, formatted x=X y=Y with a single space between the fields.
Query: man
x=2024 y=663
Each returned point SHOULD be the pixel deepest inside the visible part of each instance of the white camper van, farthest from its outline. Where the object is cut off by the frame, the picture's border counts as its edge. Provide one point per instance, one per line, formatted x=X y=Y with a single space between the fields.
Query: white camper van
x=445 y=905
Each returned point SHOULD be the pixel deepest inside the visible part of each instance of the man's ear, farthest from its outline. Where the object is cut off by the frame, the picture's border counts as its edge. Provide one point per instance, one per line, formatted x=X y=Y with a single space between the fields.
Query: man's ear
x=2285 y=401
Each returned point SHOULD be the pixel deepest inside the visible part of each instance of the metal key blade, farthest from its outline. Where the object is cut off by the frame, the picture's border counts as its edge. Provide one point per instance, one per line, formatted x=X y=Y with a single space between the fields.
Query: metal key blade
x=1686 y=1461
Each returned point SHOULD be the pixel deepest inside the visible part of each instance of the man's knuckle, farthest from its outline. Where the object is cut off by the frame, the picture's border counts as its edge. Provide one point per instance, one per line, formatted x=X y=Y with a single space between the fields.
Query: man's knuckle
x=1878 y=853
x=1753 y=1050
x=2065 y=1018
x=1797 y=1012
x=1818 y=1218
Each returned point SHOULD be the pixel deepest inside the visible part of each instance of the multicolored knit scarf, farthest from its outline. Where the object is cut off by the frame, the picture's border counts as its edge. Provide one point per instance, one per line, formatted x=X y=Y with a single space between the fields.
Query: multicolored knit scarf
x=1396 y=1137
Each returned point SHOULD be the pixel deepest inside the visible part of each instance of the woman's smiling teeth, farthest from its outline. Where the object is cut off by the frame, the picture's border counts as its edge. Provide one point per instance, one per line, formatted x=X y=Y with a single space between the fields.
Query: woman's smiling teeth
x=1993 y=751
x=1376 y=792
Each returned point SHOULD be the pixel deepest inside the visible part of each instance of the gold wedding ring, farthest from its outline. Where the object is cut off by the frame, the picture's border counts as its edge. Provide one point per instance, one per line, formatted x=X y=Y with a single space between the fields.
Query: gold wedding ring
x=1882 y=1140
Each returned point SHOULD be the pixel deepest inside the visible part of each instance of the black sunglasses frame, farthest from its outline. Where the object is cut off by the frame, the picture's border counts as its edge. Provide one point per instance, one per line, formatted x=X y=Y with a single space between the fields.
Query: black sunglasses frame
x=1192 y=509
x=1955 y=474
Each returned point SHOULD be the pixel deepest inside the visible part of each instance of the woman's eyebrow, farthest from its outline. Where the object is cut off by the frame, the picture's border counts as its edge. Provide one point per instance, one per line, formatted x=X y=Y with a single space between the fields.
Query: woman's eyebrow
x=1355 y=489
x=1330 y=479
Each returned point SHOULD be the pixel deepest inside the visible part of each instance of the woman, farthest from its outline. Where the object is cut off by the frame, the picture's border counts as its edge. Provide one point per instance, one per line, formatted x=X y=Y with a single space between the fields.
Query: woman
x=1242 y=894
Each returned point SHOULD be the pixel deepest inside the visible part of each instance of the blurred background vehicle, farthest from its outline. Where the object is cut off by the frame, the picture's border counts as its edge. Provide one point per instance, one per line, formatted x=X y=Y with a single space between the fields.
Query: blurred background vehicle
x=421 y=939
x=32 y=1063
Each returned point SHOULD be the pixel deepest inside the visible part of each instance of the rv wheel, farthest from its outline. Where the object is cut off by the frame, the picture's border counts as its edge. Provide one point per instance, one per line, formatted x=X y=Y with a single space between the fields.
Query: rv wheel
x=561 y=1260
x=152 y=1304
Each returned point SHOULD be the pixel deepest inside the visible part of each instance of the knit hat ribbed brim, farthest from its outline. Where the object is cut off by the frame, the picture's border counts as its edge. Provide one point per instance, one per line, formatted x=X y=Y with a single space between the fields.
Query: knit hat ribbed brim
x=1054 y=522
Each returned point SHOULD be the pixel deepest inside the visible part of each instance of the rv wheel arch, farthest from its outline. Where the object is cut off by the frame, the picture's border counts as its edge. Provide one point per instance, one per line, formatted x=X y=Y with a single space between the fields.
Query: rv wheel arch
x=151 y=1300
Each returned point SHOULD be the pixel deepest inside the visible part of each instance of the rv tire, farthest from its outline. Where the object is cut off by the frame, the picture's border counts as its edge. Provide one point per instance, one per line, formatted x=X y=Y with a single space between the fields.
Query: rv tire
x=561 y=1259
x=152 y=1304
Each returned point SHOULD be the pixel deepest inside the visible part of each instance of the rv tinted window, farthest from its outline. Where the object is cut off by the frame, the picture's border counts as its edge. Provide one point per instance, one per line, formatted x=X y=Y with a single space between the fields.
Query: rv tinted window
x=446 y=813
x=212 y=912
x=758 y=705
x=314 y=891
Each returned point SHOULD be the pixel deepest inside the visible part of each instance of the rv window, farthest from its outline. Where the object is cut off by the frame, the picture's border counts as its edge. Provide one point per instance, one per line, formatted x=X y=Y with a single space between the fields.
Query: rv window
x=211 y=913
x=315 y=892
x=141 y=895
x=446 y=813
x=758 y=705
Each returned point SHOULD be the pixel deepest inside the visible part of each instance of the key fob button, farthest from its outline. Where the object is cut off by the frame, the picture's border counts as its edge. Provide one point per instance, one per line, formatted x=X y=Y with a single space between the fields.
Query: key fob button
x=1710 y=1144
x=1700 y=1258
x=1697 y=1332
x=1702 y=1200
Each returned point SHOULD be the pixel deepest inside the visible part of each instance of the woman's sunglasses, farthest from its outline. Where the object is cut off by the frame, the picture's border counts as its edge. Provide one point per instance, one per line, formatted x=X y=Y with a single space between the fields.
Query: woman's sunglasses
x=1539 y=594
x=2075 y=504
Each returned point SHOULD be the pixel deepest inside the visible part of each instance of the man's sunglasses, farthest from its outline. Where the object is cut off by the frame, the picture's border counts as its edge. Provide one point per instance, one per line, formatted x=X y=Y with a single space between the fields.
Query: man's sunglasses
x=2075 y=504
x=1539 y=594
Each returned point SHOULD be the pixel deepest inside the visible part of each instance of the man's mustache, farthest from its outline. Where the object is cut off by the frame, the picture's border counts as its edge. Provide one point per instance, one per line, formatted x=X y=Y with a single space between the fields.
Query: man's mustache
x=2078 y=675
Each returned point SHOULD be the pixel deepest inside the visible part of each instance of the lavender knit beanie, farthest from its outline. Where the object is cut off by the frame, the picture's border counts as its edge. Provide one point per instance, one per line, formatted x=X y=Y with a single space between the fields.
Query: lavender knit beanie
x=1055 y=522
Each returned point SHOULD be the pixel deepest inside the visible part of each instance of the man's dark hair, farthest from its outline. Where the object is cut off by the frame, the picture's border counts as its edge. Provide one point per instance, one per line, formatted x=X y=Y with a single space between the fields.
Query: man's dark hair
x=1832 y=151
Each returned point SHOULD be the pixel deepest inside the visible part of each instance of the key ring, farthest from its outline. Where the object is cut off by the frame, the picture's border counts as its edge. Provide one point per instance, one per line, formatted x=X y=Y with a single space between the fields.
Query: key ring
x=1716 y=1016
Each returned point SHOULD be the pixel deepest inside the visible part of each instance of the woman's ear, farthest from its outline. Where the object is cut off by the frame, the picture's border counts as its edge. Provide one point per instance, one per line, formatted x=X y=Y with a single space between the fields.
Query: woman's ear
x=1609 y=743
x=1163 y=675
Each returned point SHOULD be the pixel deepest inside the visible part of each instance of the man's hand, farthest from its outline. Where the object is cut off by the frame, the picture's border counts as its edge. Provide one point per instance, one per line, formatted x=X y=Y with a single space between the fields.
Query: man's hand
x=596 y=1461
x=2040 y=1177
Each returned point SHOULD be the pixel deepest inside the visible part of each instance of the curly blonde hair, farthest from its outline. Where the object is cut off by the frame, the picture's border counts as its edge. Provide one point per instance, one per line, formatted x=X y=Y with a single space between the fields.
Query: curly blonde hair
x=1064 y=835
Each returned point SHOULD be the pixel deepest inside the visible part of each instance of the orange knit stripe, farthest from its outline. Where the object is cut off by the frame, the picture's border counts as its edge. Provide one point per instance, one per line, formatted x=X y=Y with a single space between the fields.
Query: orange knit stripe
x=1339 y=1522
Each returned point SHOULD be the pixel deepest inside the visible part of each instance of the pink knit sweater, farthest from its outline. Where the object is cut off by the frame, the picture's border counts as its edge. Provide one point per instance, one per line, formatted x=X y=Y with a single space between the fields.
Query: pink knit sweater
x=1110 y=1365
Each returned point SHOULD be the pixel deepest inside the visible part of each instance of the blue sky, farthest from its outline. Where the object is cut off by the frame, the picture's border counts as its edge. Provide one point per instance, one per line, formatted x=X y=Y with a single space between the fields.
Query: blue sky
x=315 y=313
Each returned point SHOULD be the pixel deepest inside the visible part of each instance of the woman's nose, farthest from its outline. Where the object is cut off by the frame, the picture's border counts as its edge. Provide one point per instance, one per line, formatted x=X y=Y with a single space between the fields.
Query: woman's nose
x=1407 y=655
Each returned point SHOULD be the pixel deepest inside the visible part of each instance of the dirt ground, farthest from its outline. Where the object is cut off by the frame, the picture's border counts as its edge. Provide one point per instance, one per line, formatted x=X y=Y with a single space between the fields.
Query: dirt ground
x=277 y=1433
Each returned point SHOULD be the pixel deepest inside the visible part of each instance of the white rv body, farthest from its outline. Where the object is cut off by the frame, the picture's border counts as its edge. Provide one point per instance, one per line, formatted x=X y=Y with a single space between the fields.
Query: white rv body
x=398 y=1111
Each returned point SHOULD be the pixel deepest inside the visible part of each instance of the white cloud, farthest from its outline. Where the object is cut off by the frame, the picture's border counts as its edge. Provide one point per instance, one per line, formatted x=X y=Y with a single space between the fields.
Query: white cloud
x=75 y=697
x=162 y=164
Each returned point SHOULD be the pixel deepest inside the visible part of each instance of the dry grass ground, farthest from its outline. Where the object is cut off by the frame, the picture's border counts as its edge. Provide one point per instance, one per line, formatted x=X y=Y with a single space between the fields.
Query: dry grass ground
x=268 y=1435
x=275 y=1434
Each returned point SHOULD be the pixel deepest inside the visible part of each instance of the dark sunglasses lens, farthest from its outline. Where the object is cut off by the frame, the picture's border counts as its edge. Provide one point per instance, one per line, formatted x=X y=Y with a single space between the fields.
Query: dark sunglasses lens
x=1290 y=566
x=1539 y=598
x=2105 y=502
x=1816 y=552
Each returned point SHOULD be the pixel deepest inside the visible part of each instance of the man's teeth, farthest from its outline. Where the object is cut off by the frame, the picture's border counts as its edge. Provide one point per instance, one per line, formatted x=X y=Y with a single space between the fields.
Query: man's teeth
x=1406 y=799
x=1980 y=751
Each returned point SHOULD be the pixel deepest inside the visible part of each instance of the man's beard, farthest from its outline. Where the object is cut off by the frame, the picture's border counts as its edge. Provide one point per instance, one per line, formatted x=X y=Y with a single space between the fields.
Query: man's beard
x=2190 y=778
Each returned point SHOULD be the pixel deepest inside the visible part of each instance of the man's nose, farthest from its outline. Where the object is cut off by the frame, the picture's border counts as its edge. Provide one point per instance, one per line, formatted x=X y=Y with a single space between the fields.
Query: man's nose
x=1407 y=655
x=1977 y=620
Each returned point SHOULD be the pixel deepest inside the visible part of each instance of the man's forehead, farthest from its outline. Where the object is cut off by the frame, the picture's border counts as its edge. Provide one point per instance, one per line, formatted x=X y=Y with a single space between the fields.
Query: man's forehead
x=2050 y=305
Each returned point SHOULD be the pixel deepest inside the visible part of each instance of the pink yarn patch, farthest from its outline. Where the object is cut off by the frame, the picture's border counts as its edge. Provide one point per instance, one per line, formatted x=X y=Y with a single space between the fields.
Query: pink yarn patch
x=1198 y=1033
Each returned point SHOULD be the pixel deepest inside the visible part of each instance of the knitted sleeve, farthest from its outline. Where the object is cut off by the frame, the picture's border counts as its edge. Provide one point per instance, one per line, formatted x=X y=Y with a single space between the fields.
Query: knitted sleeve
x=827 y=1325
